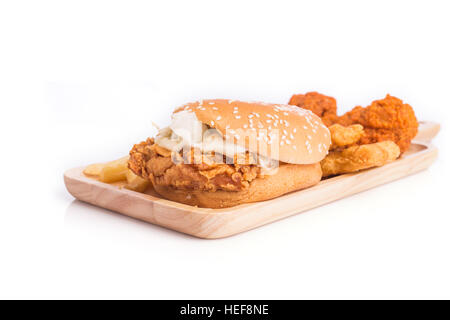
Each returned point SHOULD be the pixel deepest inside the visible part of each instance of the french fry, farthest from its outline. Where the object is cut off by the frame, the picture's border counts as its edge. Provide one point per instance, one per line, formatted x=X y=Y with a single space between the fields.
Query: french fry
x=114 y=171
x=135 y=182
x=93 y=169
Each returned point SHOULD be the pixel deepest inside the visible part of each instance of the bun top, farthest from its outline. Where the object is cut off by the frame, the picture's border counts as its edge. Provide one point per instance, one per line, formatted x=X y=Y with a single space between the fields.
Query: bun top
x=300 y=135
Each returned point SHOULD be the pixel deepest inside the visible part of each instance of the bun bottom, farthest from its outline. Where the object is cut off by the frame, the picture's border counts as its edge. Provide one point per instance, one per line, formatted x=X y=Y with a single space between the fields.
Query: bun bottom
x=290 y=177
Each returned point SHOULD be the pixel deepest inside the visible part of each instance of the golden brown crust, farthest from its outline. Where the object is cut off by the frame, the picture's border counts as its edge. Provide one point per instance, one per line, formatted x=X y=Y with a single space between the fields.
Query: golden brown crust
x=216 y=185
x=139 y=155
x=361 y=157
x=152 y=162
x=290 y=177
x=345 y=136
x=385 y=119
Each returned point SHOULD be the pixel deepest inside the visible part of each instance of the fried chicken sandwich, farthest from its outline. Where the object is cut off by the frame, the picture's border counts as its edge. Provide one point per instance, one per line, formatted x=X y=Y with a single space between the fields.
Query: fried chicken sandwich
x=221 y=153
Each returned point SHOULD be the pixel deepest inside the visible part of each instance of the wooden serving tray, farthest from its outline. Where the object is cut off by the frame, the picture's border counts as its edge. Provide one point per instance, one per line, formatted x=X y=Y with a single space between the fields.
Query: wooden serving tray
x=219 y=223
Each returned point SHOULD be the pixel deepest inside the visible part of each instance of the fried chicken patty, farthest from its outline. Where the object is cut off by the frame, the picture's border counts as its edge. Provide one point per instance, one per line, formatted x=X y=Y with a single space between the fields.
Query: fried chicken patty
x=150 y=161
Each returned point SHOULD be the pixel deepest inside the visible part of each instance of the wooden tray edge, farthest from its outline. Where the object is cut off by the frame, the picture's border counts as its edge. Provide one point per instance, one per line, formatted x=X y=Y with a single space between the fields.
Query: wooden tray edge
x=218 y=223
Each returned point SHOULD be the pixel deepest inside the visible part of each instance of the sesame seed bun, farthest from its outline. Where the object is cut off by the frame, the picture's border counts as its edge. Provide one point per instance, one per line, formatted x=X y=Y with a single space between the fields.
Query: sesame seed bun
x=302 y=137
x=289 y=178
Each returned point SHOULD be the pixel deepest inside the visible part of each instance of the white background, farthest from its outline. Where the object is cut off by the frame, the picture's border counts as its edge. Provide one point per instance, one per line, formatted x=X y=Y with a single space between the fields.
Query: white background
x=81 y=81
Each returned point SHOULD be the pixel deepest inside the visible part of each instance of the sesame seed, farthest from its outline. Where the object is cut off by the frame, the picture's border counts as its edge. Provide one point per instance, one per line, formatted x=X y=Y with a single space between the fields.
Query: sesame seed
x=245 y=126
x=235 y=111
x=236 y=136
x=256 y=114
x=309 y=137
x=284 y=131
x=288 y=141
x=292 y=136
x=295 y=130
x=305 y=127
x=238 y=117
x=250 y=116
x=285 y=113
x=268 y=120
x=295 y=147
x=282 y=143
x=212 y=123
x=218 y=118
x=215 y=108
x=210 y=102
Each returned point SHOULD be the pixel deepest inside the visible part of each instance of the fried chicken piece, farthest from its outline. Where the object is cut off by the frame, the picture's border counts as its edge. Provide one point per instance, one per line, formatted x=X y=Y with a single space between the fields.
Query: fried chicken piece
x=345 y=136
x=359 y=157
x=165 y=168
x=322 y=105
x=385 y=119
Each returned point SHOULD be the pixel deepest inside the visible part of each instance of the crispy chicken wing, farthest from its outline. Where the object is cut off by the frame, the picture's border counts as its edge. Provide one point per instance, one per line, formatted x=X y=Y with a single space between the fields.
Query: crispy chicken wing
x=383 y=120
x=322 y=105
